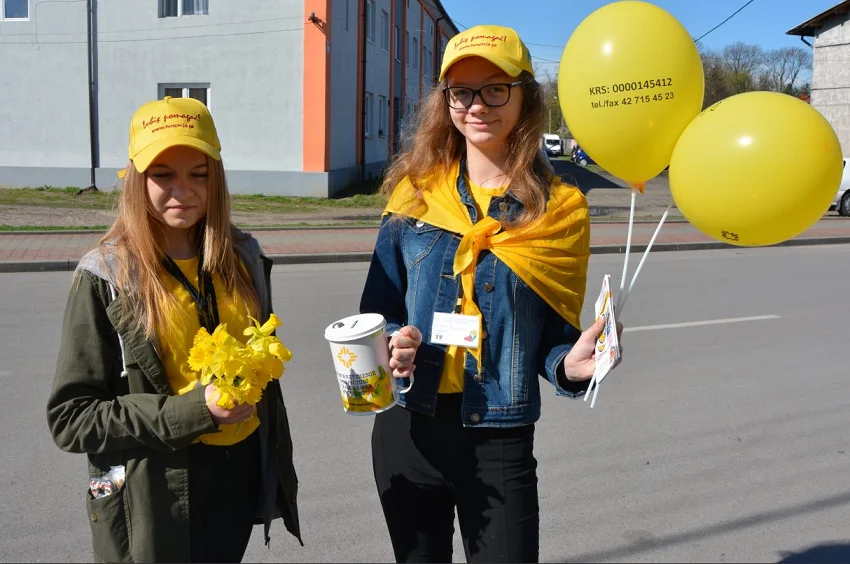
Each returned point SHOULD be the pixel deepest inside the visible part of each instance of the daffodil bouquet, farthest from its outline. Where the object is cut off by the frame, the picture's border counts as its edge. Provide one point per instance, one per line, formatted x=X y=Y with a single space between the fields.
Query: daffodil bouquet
x=240 y=372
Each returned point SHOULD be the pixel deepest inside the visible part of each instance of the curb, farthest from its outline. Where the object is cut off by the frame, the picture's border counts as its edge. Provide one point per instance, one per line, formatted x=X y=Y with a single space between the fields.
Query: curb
x=361 y=257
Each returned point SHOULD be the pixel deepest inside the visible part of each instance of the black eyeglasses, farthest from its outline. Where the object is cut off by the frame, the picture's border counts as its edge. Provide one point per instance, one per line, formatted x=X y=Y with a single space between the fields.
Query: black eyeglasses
x=491 y=95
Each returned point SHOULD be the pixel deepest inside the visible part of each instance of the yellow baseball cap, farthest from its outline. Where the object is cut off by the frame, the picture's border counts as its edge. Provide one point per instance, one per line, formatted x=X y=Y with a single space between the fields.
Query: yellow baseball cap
x=499 y=45
x=167 y=123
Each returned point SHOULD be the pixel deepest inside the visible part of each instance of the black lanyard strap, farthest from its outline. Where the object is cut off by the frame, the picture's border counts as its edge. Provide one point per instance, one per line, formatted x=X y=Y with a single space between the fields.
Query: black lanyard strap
x=203 y=296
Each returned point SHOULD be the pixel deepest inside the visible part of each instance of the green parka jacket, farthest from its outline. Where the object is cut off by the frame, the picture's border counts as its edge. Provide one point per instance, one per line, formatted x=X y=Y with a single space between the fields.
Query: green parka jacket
x=111 y=400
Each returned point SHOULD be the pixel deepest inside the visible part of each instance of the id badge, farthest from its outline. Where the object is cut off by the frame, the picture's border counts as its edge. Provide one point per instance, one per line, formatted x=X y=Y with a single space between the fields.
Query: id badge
x=456 y=329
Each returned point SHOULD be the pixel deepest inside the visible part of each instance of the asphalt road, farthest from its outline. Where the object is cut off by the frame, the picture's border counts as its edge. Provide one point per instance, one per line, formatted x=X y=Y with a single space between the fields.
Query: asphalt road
x=723 y=436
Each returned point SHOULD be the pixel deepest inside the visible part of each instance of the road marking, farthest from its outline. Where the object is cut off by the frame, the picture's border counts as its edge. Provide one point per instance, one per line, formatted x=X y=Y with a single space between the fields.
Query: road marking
x=702 y=323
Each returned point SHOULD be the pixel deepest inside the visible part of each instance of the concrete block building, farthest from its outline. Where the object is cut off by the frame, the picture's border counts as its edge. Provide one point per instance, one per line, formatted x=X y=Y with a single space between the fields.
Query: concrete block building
x=831 y=66
x=309 y=95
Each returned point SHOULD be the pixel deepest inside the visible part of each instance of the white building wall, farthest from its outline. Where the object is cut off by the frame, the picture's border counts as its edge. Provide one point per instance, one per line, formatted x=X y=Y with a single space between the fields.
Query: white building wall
x=343 y=87
x=427 y=55
x=249 y=52
x=831 y=77
x=377 y=82
x=413 y=66
x=44 y=90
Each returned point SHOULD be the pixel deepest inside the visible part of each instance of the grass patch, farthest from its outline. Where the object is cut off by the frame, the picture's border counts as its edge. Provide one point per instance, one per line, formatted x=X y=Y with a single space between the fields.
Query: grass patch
x=6 y=228
x=260 y=203
x=49 y=196
x=53 y=197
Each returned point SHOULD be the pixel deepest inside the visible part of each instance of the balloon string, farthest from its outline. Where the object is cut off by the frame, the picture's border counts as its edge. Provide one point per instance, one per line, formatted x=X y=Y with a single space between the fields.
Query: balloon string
x=628 y=247
x=593 y=382
x=625 y=296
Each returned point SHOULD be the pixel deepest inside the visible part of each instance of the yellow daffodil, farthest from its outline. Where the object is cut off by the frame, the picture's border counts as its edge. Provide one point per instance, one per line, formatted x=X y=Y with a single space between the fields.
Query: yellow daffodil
x=258 y=331
x=240 y=372
x=227 y=395
x=251 y=394
x=201 y=354
x=283 y=353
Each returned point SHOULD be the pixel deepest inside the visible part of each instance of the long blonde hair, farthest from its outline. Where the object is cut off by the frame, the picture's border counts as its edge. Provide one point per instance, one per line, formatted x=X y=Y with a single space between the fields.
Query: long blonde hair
x=134 y=240
x=435 y=144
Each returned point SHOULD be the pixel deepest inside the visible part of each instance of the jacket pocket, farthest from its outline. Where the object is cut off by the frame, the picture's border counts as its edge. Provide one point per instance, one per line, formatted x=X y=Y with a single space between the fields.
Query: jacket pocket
x=108 y=520
x=418 y=240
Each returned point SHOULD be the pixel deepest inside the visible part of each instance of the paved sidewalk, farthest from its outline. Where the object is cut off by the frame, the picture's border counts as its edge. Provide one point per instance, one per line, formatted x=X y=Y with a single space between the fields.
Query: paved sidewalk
x=42 y=251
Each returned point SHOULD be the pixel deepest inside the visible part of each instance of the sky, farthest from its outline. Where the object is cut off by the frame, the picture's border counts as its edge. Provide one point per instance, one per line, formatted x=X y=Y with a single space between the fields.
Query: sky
x=545 y=26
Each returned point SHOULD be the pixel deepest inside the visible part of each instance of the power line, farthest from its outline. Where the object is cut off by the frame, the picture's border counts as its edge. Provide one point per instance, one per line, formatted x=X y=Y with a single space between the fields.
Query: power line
x=544 y=45
x=545 y=60
x=724 y=21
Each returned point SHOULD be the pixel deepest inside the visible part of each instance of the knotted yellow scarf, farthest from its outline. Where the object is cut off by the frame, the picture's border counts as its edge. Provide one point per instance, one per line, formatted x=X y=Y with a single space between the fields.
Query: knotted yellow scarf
x=550 y=254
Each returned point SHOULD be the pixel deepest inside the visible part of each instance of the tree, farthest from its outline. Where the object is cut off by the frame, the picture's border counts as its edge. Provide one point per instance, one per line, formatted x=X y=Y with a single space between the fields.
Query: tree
x=741 y=58
x=783 y=66
x=549 y=91
x=740 y=67
x=742 y=63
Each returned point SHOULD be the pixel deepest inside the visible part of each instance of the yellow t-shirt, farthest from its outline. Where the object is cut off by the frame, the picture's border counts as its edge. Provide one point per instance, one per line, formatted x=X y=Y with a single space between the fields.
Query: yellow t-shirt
x=451 y=380
x=175 y=341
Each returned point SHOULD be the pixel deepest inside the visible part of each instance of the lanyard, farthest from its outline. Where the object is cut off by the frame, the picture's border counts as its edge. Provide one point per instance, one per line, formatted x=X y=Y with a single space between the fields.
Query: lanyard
x=204 y=296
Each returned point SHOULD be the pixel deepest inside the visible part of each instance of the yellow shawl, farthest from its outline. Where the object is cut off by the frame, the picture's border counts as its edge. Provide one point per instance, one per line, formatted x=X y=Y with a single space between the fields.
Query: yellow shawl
x=550 y=254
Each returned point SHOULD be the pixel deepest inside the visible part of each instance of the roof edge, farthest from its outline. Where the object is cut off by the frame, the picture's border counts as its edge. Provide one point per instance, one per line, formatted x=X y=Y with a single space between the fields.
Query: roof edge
x=437 y=5
x=810 y=28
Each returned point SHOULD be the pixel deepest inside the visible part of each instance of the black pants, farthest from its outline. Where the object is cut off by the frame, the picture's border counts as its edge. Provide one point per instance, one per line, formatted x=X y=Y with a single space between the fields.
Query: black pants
x=426 y=466
x=224 y=491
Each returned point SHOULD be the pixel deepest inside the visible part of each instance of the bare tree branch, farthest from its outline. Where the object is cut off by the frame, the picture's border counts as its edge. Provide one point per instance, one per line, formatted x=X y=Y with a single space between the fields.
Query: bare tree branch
x=783 y=67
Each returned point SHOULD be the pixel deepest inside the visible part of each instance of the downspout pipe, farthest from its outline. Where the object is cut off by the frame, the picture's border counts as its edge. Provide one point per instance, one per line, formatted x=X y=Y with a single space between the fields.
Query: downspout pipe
x=362 y=139
x=436 y=65
x=92 y=125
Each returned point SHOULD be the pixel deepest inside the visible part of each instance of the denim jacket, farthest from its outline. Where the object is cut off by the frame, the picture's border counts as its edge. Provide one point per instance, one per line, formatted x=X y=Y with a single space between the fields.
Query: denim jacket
x=411 y=277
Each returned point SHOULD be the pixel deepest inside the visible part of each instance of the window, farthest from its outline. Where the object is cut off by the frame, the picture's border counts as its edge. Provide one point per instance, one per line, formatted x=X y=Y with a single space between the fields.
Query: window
x=14 y=10
x=385 y=31
x=397 y=44
x=383 y=109
x=178 y=8
x=347 y=13
x=370 y=20
x=407 y=47
x=200 y=92
x=427 y=63
x=369 y=112
x=414 y=55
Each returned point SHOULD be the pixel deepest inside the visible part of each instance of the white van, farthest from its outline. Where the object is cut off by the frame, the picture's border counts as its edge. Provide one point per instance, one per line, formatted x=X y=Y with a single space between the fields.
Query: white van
x=552 y=144
x=841 y=204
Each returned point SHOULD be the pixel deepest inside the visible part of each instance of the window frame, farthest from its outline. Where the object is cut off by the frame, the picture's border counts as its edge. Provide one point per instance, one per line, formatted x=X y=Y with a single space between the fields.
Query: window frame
x=370 y=21
x=415 y=51
x=185 y=87
x=369 y=110
x=180 y=11
x=3 y=17
x=385 y=31
x=383 y=116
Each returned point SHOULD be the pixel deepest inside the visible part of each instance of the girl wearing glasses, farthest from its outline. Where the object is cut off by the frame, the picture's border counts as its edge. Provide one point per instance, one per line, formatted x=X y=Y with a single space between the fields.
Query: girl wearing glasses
x=480 y=270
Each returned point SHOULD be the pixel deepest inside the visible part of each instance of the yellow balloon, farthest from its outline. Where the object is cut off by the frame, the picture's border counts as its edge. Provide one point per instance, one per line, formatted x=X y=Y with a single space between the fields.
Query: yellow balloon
x=756 y=169
x=629 y=82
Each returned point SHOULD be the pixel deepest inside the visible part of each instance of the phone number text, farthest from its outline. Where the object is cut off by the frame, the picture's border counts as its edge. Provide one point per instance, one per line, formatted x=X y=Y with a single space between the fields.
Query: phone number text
x=631 y=86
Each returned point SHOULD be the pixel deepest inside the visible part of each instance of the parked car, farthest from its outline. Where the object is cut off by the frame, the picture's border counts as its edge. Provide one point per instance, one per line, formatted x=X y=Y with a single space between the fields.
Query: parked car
x=841 y=204
x=581 y=158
